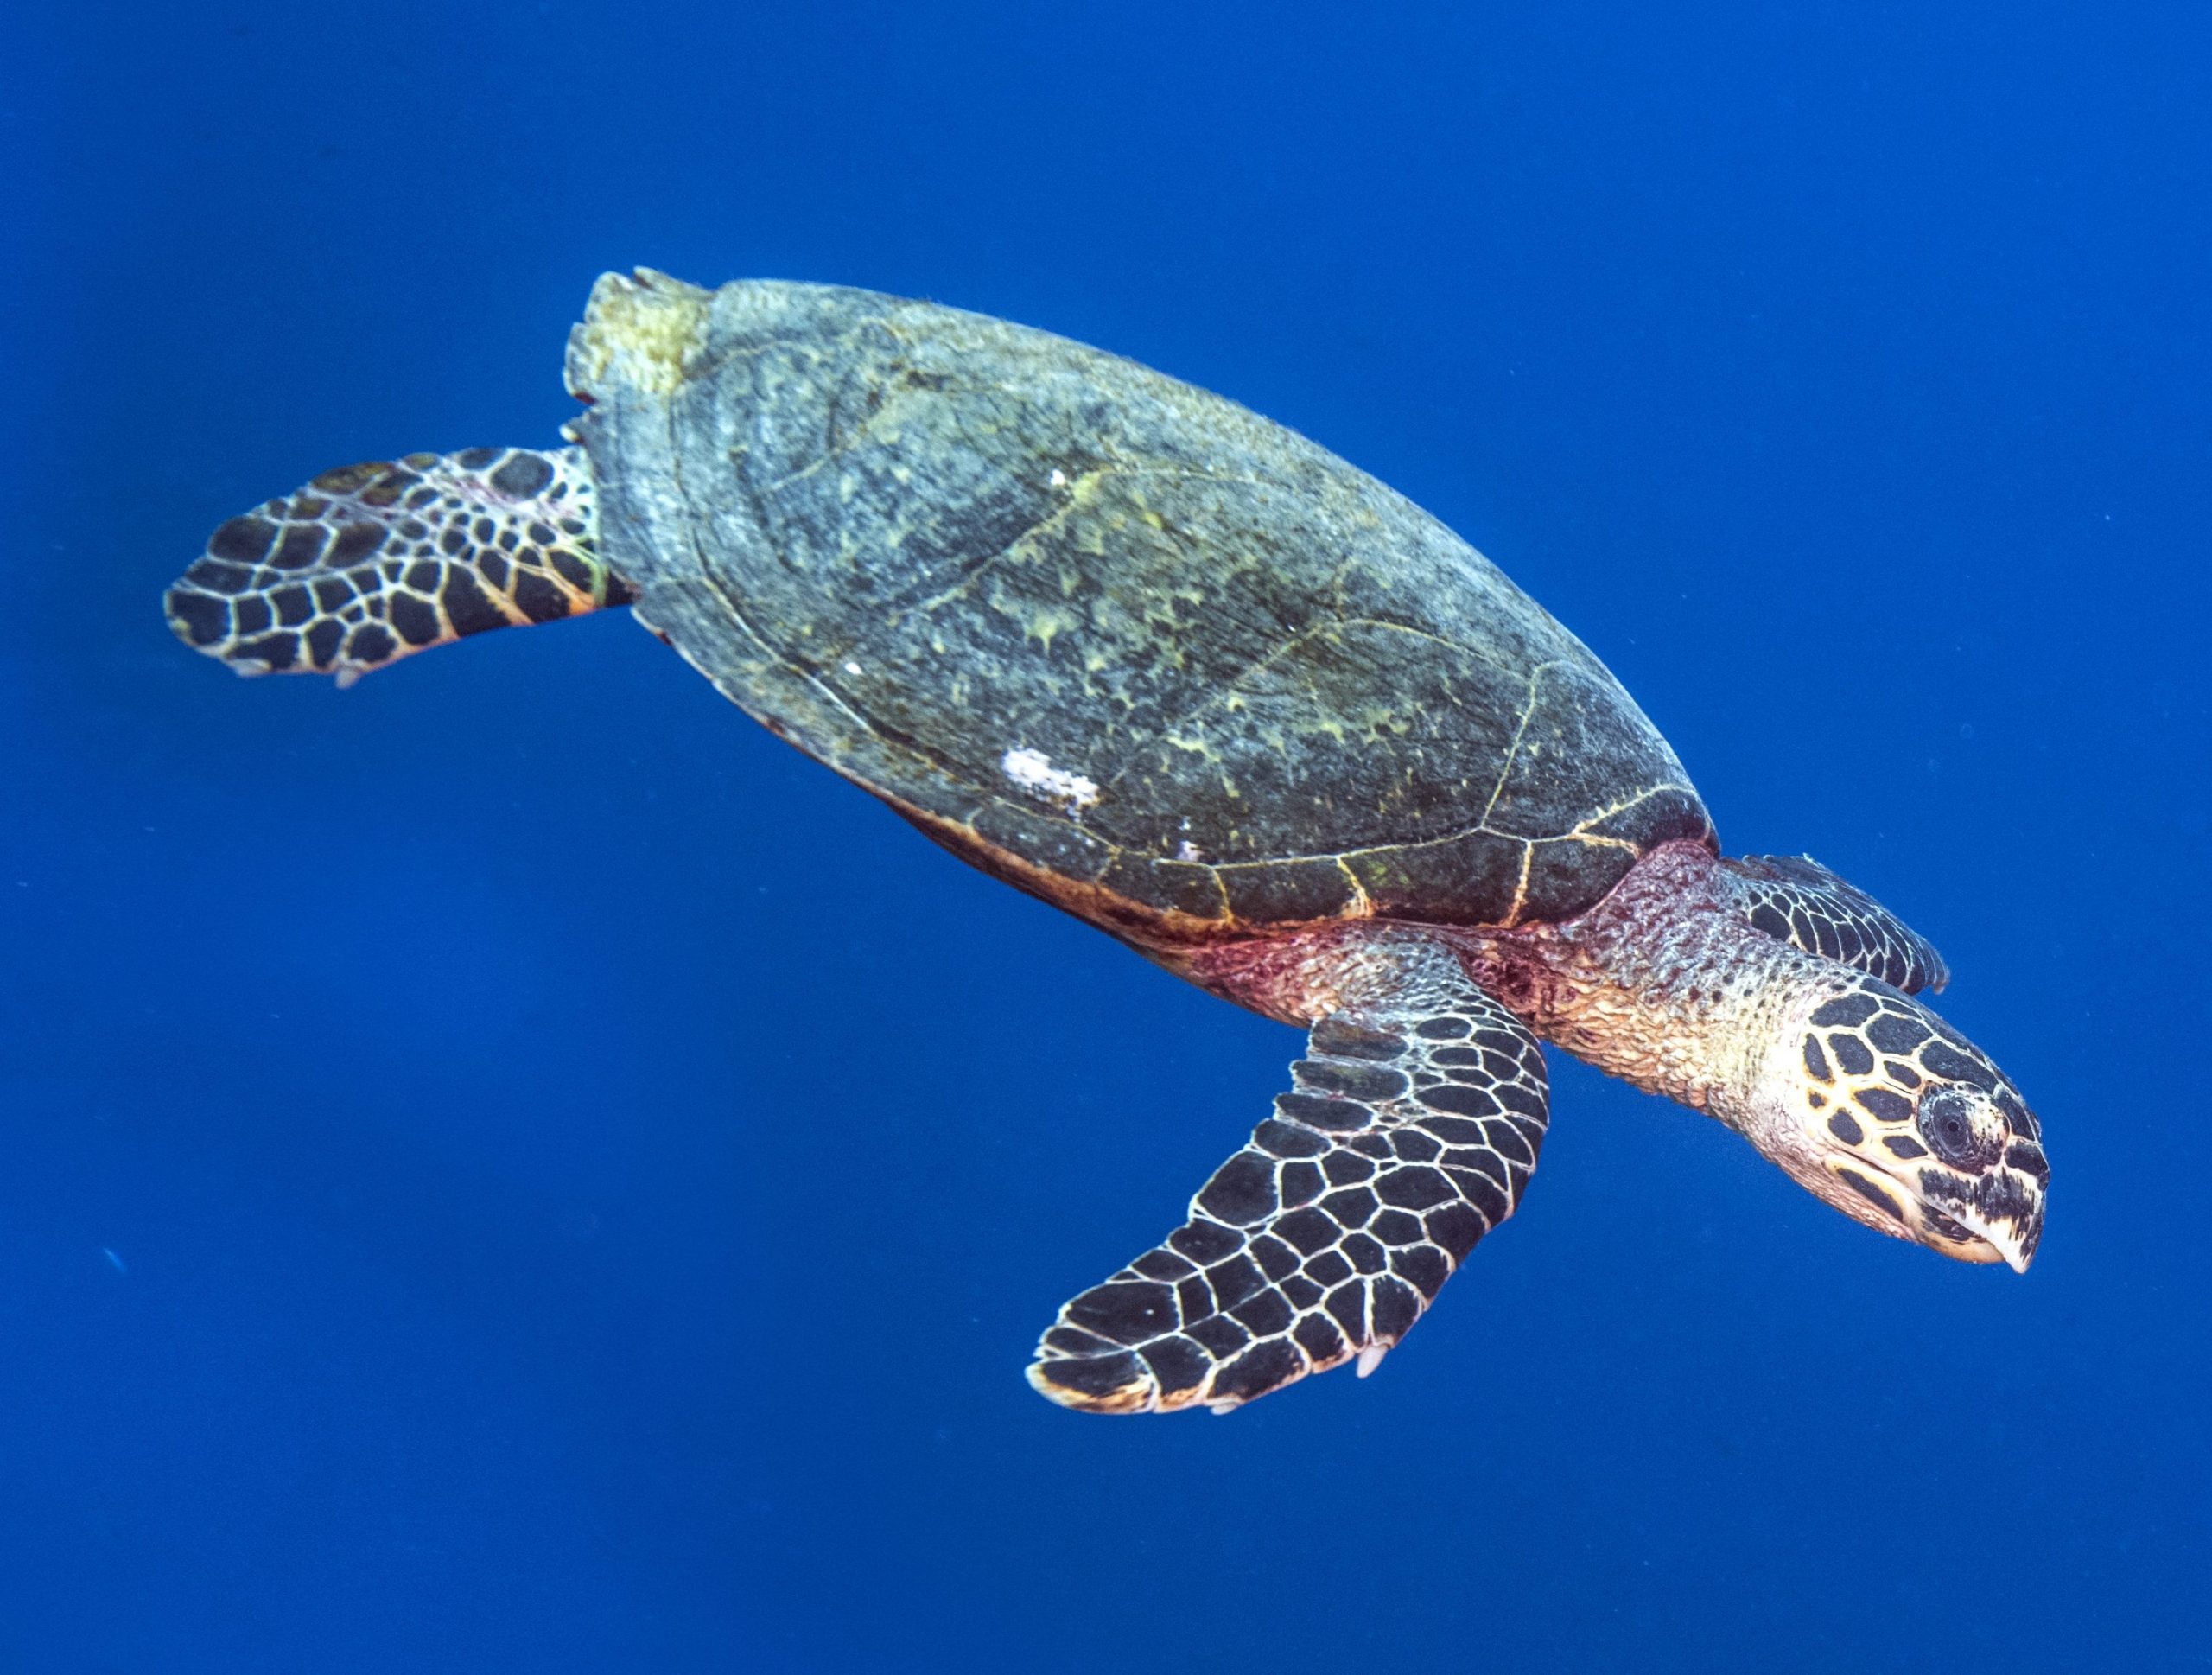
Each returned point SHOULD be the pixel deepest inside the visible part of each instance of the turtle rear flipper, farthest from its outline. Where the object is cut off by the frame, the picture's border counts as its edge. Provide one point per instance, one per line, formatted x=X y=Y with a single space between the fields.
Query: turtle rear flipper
x=1414 y=1126
x=370 y=562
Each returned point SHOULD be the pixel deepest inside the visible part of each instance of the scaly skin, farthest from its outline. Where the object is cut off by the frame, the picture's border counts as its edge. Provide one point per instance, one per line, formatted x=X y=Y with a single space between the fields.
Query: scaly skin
x=1861 y=1094
x=1664 y=984
x=372 y=562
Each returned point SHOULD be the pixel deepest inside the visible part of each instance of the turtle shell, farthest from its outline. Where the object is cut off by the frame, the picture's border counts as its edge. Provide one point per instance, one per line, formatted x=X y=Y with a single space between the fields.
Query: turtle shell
x=1111 y=637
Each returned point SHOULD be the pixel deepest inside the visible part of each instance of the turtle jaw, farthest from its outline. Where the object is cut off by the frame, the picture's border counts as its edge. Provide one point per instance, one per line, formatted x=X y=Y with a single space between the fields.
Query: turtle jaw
x=2001 y=1207
x=2013 y=1248
x=1986 y=1218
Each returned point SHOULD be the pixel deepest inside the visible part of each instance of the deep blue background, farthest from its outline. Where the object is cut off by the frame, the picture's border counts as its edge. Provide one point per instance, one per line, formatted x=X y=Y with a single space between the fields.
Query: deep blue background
x=582 y=1181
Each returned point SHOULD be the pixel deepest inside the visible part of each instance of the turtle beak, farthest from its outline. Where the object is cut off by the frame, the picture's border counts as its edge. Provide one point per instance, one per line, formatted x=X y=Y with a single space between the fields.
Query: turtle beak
x=2001 y=1211
x=1995 y=1215
x=2012 y=1237
x=2005 y=1243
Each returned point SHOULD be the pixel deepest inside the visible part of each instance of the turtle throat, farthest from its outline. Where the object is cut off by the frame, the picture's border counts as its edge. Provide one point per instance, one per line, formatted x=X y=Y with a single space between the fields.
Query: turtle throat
x=1664 y=984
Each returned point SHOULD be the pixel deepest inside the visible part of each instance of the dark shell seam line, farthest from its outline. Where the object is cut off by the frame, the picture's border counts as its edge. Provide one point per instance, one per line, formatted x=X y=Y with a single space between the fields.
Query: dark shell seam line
x=707 y=366
x=1255 y=665
x=891 y=405
x=1115 y=852
x=979 y=567
x=1521 y=884
x=1513 y=749
x=768 y=649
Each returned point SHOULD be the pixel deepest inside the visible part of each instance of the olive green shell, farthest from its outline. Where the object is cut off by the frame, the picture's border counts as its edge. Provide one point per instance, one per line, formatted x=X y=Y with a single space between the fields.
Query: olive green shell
x=1115 y=639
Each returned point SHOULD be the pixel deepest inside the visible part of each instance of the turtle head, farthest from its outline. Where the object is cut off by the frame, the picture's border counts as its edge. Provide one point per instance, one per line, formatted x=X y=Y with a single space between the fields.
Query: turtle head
x=1878 y=1107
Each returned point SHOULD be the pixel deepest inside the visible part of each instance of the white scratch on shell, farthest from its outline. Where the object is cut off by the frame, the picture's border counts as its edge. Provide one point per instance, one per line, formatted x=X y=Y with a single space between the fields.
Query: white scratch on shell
x=1033 y=771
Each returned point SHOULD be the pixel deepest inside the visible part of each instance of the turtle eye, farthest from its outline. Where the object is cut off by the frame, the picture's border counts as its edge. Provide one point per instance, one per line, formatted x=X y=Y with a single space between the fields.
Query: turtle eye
x=1946 y=1123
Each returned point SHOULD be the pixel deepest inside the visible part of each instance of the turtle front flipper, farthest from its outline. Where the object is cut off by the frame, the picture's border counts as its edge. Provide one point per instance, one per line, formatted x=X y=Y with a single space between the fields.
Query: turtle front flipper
x=1414 y=1126
x=1794 y=899
x=370 y=562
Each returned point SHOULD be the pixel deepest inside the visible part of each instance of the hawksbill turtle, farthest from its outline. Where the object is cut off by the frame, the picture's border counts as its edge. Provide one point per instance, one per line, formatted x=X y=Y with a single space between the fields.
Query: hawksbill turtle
x=1175 y=669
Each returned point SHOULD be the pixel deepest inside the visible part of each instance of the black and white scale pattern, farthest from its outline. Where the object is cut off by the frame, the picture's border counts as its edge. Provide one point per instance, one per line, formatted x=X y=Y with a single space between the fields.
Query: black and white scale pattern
x=1411 y=1133
x=370 y=563
x=1794 y=899
x=1907 y=1092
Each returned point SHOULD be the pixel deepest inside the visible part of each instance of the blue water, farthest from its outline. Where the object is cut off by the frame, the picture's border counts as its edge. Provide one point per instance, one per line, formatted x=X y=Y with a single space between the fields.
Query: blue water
x=509 y=1168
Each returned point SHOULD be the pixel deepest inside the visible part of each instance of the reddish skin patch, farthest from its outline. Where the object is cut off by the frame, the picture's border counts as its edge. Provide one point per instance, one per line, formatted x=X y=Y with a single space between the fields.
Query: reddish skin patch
x=1284 y=976
x=1652 y=983
x=1675 y=895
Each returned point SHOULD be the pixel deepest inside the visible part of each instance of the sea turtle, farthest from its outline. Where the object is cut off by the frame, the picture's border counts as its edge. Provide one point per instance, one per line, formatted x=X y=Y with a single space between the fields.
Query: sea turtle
x=1175 y=669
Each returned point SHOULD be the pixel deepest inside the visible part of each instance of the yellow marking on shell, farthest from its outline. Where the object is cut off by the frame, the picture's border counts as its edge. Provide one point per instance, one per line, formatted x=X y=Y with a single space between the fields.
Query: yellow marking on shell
x=637 y=331
x=1043 y=625
x=882 y=425
x=1512 y=746
x=1582 y=835
x=1520 y=886
x=1363 y=905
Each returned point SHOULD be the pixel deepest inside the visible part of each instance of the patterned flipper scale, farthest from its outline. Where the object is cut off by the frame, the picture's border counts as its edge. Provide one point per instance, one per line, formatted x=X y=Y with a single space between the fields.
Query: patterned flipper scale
x=370 y=562
x=1794 y=899
x=1411 y=1134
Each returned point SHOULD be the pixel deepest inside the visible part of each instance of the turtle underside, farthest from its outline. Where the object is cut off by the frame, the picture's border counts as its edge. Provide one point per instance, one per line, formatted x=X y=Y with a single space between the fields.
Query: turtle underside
x=1113 y=638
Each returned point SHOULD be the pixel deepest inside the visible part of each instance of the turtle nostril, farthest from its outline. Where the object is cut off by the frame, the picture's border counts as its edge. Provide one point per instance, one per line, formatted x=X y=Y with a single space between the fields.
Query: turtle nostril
x=1946 y=1123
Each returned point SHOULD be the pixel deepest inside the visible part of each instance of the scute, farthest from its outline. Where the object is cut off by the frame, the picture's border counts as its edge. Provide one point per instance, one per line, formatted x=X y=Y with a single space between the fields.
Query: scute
x=1096 y=630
